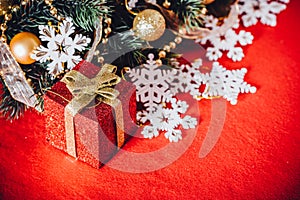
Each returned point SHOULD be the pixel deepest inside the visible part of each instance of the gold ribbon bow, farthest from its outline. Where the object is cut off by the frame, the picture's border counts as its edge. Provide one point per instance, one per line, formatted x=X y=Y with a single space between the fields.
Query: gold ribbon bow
x=84 y=91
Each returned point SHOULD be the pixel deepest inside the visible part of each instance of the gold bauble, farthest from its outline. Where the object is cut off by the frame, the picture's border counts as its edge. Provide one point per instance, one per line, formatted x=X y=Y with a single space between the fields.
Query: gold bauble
x=149 y=25
x=208 y=1
x=22 y=45
x=5 y=6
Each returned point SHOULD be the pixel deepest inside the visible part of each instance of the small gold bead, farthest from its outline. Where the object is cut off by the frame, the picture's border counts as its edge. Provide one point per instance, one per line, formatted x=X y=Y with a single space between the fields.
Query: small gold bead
x=48 y=2
x=7 y=17
x=107 y=20
x=3 y=38
x=96 y=53
x=100 y=59
x=23 y=3
x=3 y=27
x=178 y=40
x=159 y=62
x=2 y=12
x=53 y=11
x=107 y=30
x=167 y=48
x=166 y=4
x=15 y=8
x=162 y=54
x=172 y=45
x=104 y=40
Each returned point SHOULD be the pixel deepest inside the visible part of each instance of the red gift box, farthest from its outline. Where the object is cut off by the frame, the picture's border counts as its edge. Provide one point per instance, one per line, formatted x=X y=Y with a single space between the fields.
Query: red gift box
x=95 y=128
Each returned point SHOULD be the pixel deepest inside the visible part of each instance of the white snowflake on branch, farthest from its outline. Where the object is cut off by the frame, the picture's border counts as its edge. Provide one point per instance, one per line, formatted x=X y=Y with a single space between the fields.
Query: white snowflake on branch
x=226 y=83
x=227 y=41
x=263 y=10
x=61 y=47
x=169 y=120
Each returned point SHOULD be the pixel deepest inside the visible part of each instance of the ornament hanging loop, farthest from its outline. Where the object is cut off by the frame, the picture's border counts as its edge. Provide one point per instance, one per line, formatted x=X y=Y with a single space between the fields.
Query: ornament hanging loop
x=129 y=9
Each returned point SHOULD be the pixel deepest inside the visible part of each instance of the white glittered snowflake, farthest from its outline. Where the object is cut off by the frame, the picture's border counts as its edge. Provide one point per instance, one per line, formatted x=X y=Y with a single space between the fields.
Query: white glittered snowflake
x=131 y=3
x=151 y=82
x=61 y=47
x=169 y=120
x=225 y=41
x=263 y=10
x=226 y=83
x=188 y=79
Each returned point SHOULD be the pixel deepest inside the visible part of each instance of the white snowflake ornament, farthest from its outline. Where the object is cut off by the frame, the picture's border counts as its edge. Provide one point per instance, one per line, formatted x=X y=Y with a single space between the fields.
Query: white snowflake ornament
x=225 y=41
x=169 y=120
x=188 y=79
x=131 y=3
x=61 y=47
x=263 y=10
x=226 y=83
x=151 y=82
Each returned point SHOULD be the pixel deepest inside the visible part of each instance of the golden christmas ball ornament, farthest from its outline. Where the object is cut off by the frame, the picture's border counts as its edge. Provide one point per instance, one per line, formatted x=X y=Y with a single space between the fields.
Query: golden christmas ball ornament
x=149 y=25
x=22 y=45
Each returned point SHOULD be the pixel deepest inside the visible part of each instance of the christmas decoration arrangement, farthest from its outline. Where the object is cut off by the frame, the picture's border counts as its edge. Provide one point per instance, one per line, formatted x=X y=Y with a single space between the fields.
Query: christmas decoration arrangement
x=99 y=69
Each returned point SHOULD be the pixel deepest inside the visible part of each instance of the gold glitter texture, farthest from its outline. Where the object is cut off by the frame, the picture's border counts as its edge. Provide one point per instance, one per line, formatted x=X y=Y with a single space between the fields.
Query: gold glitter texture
x=149 y=25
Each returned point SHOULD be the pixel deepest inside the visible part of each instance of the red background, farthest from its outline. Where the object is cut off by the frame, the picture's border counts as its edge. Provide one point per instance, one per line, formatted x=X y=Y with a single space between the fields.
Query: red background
x=256 y=157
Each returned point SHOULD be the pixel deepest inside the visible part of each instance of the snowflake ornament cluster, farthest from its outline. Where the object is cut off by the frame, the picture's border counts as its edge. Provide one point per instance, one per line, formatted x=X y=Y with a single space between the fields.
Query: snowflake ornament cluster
x=61 y=47
x=225 y=41
x=230 y=40
x=157 y=86
x=169 y=120
x=264 y=10
x=226 y=83
x=187 y=79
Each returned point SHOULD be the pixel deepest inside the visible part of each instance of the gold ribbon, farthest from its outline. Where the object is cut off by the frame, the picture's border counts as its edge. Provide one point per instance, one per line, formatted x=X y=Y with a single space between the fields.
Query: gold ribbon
x=84 y=91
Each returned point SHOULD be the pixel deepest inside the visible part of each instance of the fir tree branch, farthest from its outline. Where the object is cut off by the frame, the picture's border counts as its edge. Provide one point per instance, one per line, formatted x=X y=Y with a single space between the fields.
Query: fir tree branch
x=85 y=13
x=189 y=12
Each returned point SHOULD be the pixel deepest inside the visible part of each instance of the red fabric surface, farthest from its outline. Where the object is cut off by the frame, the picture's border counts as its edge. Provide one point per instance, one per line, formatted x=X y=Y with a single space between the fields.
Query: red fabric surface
x=256 y=157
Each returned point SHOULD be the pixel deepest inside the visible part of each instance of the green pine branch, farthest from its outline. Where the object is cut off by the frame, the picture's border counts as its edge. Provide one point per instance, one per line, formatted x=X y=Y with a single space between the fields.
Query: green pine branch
x=189 y=12
x=85 y=13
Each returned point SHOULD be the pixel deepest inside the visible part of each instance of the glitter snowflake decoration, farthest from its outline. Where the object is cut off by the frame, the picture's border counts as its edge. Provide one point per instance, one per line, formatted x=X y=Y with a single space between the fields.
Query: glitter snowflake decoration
x=226 y=83
x=188 y=79
x=61 y=47
x=131 y=3
x=156 y=88
x=151 y=82
x=263 y=10
x=169 y=120
x=227 y=41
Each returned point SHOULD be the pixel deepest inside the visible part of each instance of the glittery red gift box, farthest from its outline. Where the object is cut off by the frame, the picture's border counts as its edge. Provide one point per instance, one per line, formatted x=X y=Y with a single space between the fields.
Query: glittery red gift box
x=95 y=126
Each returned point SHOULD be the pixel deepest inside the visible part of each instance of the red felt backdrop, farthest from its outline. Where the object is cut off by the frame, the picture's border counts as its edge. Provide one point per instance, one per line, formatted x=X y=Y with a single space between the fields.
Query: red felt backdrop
x=256 y=157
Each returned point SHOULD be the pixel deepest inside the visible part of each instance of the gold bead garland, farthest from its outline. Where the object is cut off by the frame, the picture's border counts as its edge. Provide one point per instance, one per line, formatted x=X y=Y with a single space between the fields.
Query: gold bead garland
x=5 y=5
x=3 y=27
x=53 y=10
x=107 y=31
